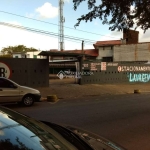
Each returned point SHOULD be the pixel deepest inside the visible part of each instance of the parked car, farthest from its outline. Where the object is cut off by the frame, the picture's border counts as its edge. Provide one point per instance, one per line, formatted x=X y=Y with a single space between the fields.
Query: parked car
x=20 y=132
x=13 y=92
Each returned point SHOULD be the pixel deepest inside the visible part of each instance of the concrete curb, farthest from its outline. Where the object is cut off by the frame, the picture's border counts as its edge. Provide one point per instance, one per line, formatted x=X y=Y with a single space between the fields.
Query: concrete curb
x=137 y=91
x=43 y=99
x=52 y=98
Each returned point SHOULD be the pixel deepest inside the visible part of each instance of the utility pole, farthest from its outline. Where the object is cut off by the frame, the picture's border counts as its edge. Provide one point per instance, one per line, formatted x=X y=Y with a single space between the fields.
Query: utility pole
x=81 y=62
x=83 y=47
x=83 y=56
x=61 y=26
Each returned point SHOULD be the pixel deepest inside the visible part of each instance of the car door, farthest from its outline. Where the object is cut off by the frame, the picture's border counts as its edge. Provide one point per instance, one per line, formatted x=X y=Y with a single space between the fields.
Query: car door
x=8 y=91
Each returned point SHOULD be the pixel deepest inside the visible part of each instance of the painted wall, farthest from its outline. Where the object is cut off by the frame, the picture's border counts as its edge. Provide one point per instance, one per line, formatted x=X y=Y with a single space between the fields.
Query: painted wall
x=115 y=72
x=27 y=72
x=105 y=52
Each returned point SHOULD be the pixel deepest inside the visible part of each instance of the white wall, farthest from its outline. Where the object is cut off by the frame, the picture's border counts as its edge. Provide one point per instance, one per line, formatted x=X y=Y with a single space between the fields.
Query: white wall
x=34 y=55
x=18 y=55
x=105 y=52
x=29 y=55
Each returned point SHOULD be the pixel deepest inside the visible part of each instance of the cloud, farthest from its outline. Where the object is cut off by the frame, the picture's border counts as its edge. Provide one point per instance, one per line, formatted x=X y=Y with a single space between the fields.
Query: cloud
x=144 y=37
x=47 y=11
x=12 y=37
x=115 y=35
x=13 y=22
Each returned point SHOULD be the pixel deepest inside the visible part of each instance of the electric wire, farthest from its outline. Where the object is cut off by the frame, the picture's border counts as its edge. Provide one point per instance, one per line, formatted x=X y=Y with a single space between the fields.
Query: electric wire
x=54 y=24
x=71 y=38
x=87 y=41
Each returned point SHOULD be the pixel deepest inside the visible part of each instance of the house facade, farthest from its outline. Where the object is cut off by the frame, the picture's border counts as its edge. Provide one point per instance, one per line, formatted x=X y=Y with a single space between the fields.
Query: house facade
x=119 y=61
x=33 y=54
x=116 y=51
x=126 y=49
x=106 y=49
x=19 y=55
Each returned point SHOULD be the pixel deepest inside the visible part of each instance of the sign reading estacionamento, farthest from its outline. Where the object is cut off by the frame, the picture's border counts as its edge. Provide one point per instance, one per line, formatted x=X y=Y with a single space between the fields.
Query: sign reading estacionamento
x=133 y=68
x=4 y=70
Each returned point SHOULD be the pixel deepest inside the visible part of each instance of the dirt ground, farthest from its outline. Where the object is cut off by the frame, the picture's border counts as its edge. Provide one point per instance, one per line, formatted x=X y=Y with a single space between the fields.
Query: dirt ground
x=68 y=89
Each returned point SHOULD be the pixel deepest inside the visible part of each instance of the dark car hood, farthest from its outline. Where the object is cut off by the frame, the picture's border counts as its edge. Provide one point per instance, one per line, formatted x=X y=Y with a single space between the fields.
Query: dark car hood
x=34 y=134
x=95 y=141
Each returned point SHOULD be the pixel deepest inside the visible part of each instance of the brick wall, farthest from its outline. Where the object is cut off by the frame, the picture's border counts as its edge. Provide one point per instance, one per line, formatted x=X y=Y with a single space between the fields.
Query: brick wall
x=131 y=36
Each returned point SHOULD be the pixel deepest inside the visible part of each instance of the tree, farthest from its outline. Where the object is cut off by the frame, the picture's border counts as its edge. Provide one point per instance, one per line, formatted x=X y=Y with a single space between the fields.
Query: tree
x=8 y=51
x=7 y=144
x=119 y=14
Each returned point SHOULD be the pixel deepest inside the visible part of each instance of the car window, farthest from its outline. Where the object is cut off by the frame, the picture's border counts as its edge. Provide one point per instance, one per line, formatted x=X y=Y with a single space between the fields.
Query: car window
x=6 y=84
x=22 y=133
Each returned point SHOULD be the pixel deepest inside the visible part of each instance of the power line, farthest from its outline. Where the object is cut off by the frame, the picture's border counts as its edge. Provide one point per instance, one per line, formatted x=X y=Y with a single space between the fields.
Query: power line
x=69 y=38
x=87 y=41
x=54 y=24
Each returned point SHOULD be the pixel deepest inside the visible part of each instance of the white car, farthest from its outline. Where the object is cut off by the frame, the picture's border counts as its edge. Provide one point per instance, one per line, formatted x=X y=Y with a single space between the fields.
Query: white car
x=13 y=92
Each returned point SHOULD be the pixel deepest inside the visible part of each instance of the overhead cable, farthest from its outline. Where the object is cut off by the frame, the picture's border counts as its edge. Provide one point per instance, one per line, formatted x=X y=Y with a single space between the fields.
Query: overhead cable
x=55 y=24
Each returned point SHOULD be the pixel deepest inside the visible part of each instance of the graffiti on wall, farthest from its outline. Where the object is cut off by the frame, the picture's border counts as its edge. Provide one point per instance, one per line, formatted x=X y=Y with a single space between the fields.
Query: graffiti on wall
x=139 y=77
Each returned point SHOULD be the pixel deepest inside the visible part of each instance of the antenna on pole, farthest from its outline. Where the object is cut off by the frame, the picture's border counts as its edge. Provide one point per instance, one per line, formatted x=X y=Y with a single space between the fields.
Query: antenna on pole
x=61 y=26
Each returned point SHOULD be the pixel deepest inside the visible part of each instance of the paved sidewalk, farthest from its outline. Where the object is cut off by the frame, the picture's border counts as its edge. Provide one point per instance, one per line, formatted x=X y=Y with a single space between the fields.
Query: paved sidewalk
x=67 y=89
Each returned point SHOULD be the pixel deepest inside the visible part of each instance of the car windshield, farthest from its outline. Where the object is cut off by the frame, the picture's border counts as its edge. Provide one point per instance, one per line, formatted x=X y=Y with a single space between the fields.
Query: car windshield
x=23 y=133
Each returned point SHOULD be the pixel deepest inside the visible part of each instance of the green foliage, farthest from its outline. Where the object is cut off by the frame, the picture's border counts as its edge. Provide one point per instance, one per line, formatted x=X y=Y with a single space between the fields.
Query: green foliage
x=6 y=56
x=8 y=51
x=118 y=13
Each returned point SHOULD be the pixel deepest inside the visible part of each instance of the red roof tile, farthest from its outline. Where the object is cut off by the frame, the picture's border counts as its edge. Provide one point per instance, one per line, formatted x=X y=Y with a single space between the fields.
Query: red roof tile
x=54 y=50
x=104 y=43
x=91 y=52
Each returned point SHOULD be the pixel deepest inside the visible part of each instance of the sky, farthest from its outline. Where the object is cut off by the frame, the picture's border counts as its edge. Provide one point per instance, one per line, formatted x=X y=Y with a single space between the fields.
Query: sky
x=43 y=15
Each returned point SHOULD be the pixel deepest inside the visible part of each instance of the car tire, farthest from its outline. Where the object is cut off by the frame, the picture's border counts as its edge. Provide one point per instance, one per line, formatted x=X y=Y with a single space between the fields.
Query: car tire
x=28 y=100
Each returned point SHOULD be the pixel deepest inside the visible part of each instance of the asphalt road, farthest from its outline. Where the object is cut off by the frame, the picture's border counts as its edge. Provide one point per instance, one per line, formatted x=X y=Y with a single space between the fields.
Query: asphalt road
x=124 y=119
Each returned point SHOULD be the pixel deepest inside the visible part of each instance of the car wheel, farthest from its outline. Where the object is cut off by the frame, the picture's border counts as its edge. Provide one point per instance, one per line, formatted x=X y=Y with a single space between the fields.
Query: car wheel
x=28 y=100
